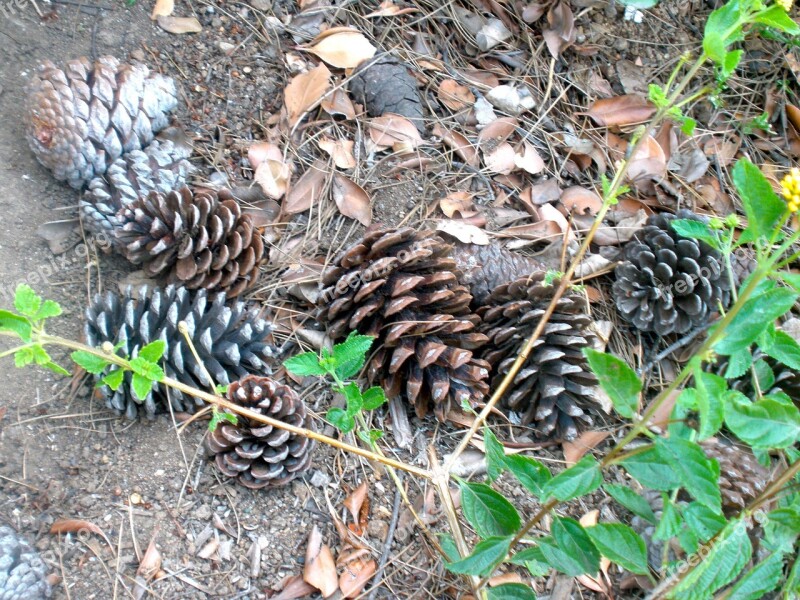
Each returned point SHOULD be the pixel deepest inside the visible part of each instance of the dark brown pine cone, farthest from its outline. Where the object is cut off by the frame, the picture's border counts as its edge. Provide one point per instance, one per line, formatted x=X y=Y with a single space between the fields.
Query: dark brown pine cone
x=199 y=240
x=741 y=477
x=83 y=118
x=401 y=286
x=555 y=390
x=668 y=283
x=259 y=455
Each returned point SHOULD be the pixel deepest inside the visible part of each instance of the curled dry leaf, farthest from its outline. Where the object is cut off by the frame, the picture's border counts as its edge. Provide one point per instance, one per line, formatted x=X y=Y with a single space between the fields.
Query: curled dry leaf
x=338 y=105
x=533 y=11
x=723 y=149
x=459 y=144
x=529 y=160
x=341 y=151
x=179 y=25
x=162 y=8
x=304 y=91
x=344 y=48
x=358 y=504
x=259 y=152
x=394 y=131
x=649 y=163
x=151 y=561
x=320 y=569
x=355 y=575
x=76 y=526
x=307 y=189
x=574 y=450
x=463 y=232
x=351 y=199
x=294 y=587
x=498 y=130
x=273 y=177
x=390 y=9
x=620 y=110
x=561 y=31
x=577 y=199
x=454 y=95
x=501 y=159
x=61 y=236
x=457 y=202
x=545 y=192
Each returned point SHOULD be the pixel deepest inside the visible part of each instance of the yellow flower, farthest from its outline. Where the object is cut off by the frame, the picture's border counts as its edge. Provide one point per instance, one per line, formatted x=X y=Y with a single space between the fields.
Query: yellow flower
x=790 y=186
x=785 y=4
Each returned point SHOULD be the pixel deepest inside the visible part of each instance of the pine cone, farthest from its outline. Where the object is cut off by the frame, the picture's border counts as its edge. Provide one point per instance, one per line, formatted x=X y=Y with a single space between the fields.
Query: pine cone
x=83 y=118
x=22 y=572
x=741 y=477
x=161 y=167
x=258 y=455
x=555 y=390
x=668 y=283
x=230 y=341
x=199 y=240
x=401 y=286
x=486 y=267
x=772 y=375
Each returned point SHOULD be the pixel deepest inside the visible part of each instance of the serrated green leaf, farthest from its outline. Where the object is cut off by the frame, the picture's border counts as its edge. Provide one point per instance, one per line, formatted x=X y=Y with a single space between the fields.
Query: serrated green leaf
x=349 y=356
x=114 y=379
x=531 y=473
x=340 y=419
x=581 y=478
x=510 y=591
x=484 y=559
x=730 y=553
x=495 y=455
x=762 y=206
x=153 y=351
x=767 y=423
x=48 y=310
x=710 y=389
x=688 y=125
x=26 y=301
x=146 y=369
x=621 y=545
x=533 y=560
x=352 y=396
x=40 y=355
x=617 y=379
x=488 y=511
x=670 y=524
x=569 y=549
x=760 y=580
x=777 y=18
x=141 y=386
x=16 y=324
x=738 y=364
x=653 y=470
x=698 y=230
x=448 y=544
x=695 y=470
x=373 y=398
x=730 y=62
x=688 y=540
x=754 y=317
x=714 y=46
x=785 y=349
x=218 y=416
x=631 y=500
x=703 y=521
x=791 y=589
x=23 y=357
x=304 y=365
x=91 y=363
x=791 y=279
x=56 y=368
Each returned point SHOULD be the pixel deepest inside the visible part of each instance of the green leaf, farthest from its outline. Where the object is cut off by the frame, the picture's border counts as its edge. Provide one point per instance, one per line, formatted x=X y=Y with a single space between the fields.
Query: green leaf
x=352 y=395
x=710 y=389
x=531 y=473
x=730 y=62
x=495 y=455
x=510 y=591
x=617 y=379
x=448 y=544
x=55 y=368
x=218 y=416
x=16 y=324
x=760 y=580
x=792 y=585
x=688 y=125
x=349 y=356
x=730 y=554
x=23 y=357
x=569 y=549
x=533 y=560
x=40 y=355
x=762 y=206
x=703 y=521
x=49 y=309
x=341 y=420
x=767 y=423
x=620 y=544
x=304 y=365
x=631 y=500
x=738 y=364
x=640 y=4
x=696 y=472
x=146 y=369
x=373 y=398
x=777 y=18
x=714 y=46
x=785 y=349
x=653 y=470
x=90 y=362
x=153 y=351
x=484 y=559
x=791 y=279
x=698 y=230
x=488 y=511
x=670 y=524
x=26 y=301
x=581 y=478
x=754 y=317
x=141 y=386
x=113 y=379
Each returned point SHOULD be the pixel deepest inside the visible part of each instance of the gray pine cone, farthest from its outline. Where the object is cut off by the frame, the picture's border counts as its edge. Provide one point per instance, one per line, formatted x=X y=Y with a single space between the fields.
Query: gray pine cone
x=81 y=119
x=22 y=572
x=161 y=167
x=230 y=340
x=668 y=283
x=259 y=455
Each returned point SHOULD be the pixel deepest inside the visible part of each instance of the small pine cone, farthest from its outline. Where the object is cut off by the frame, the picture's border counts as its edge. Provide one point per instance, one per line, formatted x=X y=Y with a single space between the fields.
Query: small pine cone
x=401 y=286
x=741 y=477
x=22 y=572
x=555 y=390
x=81 y=119
x=668 y=283
x=230 y=341
x=200 y=240
x=161 y=167
x=256 y=454
x=486 y=267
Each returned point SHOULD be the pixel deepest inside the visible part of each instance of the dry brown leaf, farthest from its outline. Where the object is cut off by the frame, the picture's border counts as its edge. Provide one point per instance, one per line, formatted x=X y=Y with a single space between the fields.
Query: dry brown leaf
x=259 y=152
x=480 y=77
x=344 y=49
x=61 y=236
x=501 y=159
x=151 y=561
x=304 y=91
x=533 y=12
x=394 y=131
x=561 y=33
x=457 y=202
x=454 y=95
x=77 y=526
x=545 y=192
x=463 y=232
x=273 y=176
x=351 y=199
x=577 y=199
x=649 y=162
x=307 y=189
x=355 y=576
x=620 y=110
x=505 y=578
x=320 y=569
x=162 y=8
x=357 y=501
x=793 y=114
x=723 y=149
x=338 y=105
x=341 y=151
x=294 y=587
x=209 y=549
x=459 y=144
x=498 y=130
x=529 y=160
x=574 y=450
x=179 y=25
x=389 y=9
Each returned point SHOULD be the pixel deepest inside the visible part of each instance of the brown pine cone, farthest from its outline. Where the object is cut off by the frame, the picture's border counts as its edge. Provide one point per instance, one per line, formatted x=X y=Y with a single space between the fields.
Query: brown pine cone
x=81 y=119
x=200 y=240
x=555 y=390
x=402 y=287
x=259 y=455
x=741 y=477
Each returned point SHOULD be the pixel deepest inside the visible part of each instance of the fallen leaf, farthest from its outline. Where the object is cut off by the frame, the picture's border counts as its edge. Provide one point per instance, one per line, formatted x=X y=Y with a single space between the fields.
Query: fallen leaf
x=162 y=8
x=529 y=160
x=351 y=199
x=394 y=131
x=338 y=105
x=344 y=49
x=320 y=569
x=62 y=236
x=561 y=33
x=355 y=576
x=304 y=91
x=463 y=232
x=341 y=151
x=457 y=202
x=649 y=162
x=545 y=192
x=533 y=12
x=151 y=561
x=78 y=526
x=389 y=9
x=498 y=130
x=356 y=502
x=577 y=199
x=689 y=166
x=620 y=110
x=179 y=25
x=209 y=549
x=459 y=144
x=575 y=450
x=273 y=177
x=454 y=95
x=793 y=114
x=307 y=189
x=501 y=159
x=723 y=149
x=261 y=151
x=294 y=587
x=505 y=578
